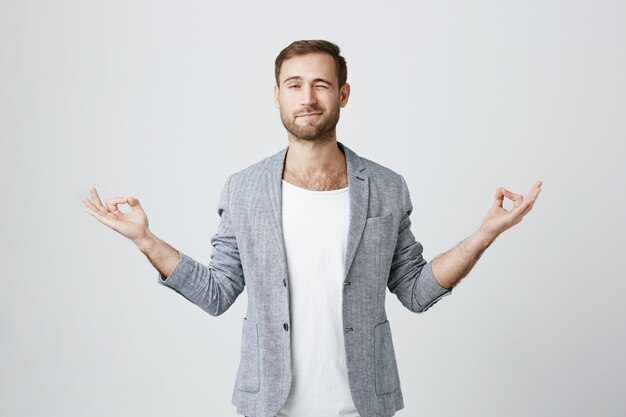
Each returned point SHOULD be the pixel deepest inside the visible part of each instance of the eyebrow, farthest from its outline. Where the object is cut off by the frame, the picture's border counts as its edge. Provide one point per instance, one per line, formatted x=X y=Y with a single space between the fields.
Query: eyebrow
x=297 y=77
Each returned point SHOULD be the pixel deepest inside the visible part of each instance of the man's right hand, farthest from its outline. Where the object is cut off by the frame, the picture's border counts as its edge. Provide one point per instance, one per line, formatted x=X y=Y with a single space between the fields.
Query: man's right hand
x=133 y=225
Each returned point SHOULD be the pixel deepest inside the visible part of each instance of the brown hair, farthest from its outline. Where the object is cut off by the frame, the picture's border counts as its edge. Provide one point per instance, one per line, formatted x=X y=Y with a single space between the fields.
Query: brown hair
x=304 y=47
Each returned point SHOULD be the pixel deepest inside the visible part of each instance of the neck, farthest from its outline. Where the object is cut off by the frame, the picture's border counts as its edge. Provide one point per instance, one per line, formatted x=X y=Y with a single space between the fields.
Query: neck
x=314 y=157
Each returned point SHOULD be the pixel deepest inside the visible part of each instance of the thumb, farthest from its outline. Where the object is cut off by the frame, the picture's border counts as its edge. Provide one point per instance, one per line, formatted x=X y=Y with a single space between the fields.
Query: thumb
x=133 y=202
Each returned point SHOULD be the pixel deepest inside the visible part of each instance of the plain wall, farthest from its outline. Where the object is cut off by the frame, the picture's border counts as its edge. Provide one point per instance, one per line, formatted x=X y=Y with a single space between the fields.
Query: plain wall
x=163 y=100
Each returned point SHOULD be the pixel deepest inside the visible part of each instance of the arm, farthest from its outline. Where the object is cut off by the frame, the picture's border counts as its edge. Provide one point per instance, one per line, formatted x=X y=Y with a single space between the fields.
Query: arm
x=411 y=278
x=213 y=288
x=163 y=257
x=452 y=266
x=134 y=226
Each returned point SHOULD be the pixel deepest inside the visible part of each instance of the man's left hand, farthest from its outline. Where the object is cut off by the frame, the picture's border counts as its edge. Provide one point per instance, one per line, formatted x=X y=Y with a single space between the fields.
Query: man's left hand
x=498 y=219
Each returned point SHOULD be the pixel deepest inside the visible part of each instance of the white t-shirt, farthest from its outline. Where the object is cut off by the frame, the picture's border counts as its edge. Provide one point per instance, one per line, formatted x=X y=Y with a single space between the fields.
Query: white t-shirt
x=315 y=226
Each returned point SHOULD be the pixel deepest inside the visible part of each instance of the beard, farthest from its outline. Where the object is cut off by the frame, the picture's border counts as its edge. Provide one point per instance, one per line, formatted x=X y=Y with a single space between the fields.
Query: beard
x=315 y=129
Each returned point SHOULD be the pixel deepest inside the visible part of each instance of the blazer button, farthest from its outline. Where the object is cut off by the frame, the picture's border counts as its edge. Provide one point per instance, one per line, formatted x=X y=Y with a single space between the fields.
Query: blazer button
x=349 y=329
x=284 y=282
x=285 y=326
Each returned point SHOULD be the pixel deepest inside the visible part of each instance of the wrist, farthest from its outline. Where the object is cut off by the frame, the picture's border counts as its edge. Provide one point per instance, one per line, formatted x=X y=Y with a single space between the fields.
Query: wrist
x=145 y=242
x=480 y=240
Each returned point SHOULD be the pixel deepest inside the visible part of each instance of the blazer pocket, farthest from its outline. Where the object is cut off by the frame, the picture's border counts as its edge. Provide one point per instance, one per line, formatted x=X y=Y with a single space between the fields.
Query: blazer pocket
x=387 y=379
x=248 y=373
x=379 y=219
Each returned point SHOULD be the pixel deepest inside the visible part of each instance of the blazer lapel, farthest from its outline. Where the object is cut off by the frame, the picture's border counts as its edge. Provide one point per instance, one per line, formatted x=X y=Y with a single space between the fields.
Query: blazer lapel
x=358 y=186
x=358 y=183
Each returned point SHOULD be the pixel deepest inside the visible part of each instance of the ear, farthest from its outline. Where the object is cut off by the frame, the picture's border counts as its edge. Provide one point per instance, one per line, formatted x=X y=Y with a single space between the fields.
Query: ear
x=344 y=94
x=276 y=92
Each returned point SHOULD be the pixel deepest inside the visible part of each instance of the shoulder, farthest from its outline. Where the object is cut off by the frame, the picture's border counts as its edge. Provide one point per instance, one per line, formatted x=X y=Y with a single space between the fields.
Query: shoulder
x=254 y=174
x=384 y=182
x=382 y=176
x=379 y=171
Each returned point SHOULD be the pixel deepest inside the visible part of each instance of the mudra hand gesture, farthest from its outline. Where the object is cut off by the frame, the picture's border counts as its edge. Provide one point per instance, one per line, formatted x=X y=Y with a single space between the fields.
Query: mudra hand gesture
x=133 y=225
x=498 y=219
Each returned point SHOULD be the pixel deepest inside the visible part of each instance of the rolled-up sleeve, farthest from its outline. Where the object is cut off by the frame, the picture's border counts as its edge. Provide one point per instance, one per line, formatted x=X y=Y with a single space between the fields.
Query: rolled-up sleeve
x=213 y=287
x=411 y=278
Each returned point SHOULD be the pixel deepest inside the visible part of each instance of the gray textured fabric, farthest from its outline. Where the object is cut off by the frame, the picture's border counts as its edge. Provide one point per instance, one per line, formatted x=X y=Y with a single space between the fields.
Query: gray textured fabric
x=248 y=251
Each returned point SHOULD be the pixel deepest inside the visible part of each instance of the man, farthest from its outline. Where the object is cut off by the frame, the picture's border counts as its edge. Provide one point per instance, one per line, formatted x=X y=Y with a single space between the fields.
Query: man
x=315 y=234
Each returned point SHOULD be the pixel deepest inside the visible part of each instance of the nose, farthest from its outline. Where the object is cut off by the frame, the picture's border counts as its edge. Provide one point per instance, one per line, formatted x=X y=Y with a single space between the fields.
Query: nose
x=308 y=96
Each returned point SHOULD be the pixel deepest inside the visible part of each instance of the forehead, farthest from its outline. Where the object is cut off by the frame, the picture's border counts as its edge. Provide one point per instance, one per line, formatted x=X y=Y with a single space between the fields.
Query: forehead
x=309 y=66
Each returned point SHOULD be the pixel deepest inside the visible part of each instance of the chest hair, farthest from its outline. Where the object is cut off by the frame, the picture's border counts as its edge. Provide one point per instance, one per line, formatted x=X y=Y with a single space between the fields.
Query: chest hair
x=326 y=181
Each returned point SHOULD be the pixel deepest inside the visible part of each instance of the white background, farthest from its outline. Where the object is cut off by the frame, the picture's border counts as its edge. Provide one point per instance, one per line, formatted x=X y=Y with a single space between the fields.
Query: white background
x=163 y=100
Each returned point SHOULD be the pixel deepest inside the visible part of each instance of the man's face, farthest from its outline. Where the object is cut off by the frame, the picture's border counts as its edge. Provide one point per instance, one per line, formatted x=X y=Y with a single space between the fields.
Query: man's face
x=308 y=96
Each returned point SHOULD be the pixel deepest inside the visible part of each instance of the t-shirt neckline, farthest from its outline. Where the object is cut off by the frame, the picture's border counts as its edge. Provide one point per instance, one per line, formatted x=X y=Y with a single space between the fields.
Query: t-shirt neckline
x=295 y=187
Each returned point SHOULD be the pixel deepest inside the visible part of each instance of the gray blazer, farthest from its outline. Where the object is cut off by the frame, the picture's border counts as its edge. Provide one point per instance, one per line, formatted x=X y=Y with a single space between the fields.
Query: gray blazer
x=248 y=251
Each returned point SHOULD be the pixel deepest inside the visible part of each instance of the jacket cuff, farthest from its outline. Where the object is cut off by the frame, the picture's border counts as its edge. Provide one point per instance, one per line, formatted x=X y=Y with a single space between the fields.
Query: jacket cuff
x=180 y=274
x=428 y=290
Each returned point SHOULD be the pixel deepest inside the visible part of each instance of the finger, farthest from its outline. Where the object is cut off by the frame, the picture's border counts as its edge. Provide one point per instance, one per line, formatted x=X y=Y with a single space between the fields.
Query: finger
x=89 y=204
x=535 y=190
x=532 y=195
x=525 y=211
x=528 y=205
x=96 y=198
x=499 y=197
x=133 y=202
x=532 y=201
x=113 y=202
x=99 y=216
x=516 y=198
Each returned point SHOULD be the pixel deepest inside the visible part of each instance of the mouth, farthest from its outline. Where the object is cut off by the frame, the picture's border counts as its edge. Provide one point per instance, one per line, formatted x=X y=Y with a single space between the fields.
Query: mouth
x=309 y=115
